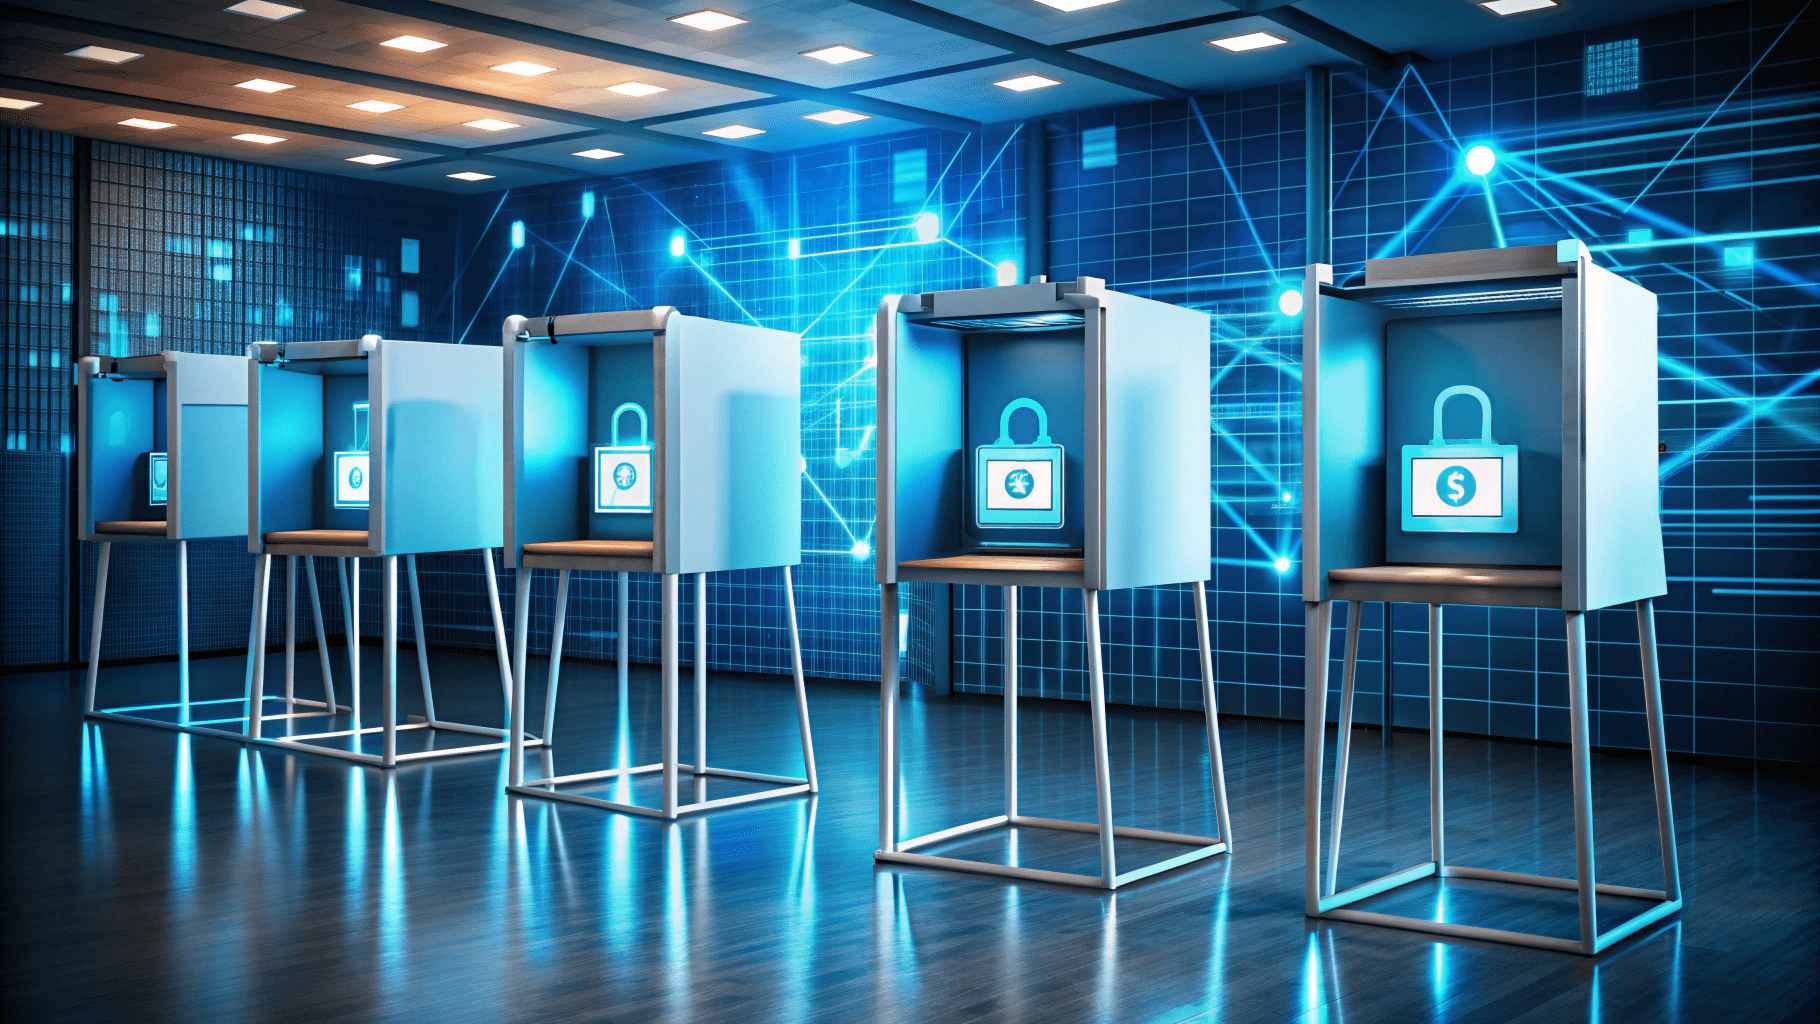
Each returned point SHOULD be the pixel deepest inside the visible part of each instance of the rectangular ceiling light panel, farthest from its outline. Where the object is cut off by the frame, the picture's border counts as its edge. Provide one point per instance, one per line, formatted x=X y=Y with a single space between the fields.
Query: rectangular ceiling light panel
x=471 y=176
x=376 y=106
x=415 y=44
x=262 y=85
x=523 y=67
x=1025 y=83
x=372 y=159
x=598 y=154
x=1248 y=41
x=264 y=9
x=1074 y=5
x=104 y=54
x=636 y=89
x=146 y=123
x=263 y=140
x=1509 y=7
x=491 y=124
x=734 y=131
x=708 y=20
x=839 y=54
x=837 y=117
x=8 y=103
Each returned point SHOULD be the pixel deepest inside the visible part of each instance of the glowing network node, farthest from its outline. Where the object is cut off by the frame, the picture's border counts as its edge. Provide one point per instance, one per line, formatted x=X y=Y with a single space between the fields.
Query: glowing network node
x=587 y=205
x=1006 y=272
x=928 y=227
x=796 y=248
x=861 y=549
x=1287 y=497
x=1282 y=565
x=518 y=234
x=1480 y=160
x=677 y=246
x=1290 y=302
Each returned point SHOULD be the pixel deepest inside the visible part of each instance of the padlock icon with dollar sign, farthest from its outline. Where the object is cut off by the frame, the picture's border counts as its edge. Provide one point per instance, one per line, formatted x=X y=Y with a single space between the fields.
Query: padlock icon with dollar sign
x=1460 y=486
x=622 y=472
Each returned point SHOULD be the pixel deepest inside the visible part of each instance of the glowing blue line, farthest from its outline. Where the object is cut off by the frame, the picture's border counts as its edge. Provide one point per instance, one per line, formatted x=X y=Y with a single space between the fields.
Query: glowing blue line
x=1238 y=198
x=1366 y=145
x=449 y=292
x=609 y=282
x=1734 y=296
x=1709 y=118
x=1255 y=537
x=1672 y=133
x=1491 y=207
x=1250 y=459
x=1431 y=100
x=831 y=509
x=722 y=288
x=1768 y=593
x=1580 y=230
x=567 y=258
x=481 y=305
x=1725 y=433
x=969 y=252
x=1729 y=236
x=1434 y=203
x=1745 y=154
x=981 y=179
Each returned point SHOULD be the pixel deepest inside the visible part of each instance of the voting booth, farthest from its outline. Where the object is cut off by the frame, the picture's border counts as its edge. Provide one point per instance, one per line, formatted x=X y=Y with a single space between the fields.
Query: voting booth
x=161 y=459
x=1050 y=434
x=371 y=448
x=650 y=441
x=1480 y=428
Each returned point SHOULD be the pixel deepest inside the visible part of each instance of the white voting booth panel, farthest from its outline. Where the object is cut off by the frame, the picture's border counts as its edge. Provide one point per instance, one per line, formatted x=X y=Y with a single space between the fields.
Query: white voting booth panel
x=1557 y=359
x=709 y=483
x=1100 y=398
x=184 y=412
x=429 y=466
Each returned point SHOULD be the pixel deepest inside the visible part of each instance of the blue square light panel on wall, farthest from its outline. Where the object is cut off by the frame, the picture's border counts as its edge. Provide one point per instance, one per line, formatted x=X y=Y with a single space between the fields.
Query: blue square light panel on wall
x=158 y=475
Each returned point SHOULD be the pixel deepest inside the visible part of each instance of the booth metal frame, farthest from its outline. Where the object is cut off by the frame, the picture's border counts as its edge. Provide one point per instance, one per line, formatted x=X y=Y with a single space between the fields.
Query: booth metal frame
x=1610 y=530
x=700 y=369
x=1146 y=372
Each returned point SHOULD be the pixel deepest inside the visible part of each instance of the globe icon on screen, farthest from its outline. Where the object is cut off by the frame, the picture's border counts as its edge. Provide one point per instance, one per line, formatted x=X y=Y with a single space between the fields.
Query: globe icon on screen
x=1019 y=483
x=624 y=476
x=355 y=476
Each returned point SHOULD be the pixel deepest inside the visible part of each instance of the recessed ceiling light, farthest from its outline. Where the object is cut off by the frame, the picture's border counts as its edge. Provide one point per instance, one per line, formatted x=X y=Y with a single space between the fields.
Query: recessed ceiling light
x=471 y=176
x=376 y=106
x=105 y=55
x=734 y=131
x=1074 y=5
x=491 y=124
x=265 y=9
x=837 y=117
x=523 y=67
x=12 y=104
x=598 y=154
x=262 y=85
x=263 y=140
x=708 y=20
x=415 y=44
x=148 y=125
x=1509 y=7
x=1025 y=83
x=839 y=54
x=1248 y=41
x=636 y=89
x=372 y=159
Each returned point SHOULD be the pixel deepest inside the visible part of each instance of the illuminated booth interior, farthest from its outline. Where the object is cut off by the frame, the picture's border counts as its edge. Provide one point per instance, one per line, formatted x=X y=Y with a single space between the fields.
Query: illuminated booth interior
x=708 y=483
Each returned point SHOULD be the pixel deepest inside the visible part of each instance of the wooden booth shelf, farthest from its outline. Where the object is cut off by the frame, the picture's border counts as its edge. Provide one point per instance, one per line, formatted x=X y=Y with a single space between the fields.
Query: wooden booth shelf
x=135 y=527
x=1448 y=584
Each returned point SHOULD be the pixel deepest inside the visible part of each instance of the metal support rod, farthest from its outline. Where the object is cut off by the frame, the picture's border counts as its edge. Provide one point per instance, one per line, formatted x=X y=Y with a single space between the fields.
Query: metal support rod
x=1102 y=768
x=669 y=692
x=423 y=640
x=94 y=626
x=1437 y=815
x=1216 y=766
x=701 y=673
x=887 y=717
x=802 y=690
x=350 y=616
x=290 y=632
x=521 y=636
x=1355 y=610
x=623 y=655
x=1010 y=685
x=255 y=689
x=499 y=626
x=183 y=632
x=1582 y=760
x=322 y=637
x=562 y=616
x=1387 y=715
x=1317 y=645
x=1658 y=746
x=388 y=664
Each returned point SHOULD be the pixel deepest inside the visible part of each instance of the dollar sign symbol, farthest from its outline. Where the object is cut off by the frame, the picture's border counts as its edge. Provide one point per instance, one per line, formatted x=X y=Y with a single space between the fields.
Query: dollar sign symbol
x=1456 y=491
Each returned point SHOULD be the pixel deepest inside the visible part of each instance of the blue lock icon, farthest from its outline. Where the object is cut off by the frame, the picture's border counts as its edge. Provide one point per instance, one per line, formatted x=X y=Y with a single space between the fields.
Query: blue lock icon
x=622 y=472
x=1019 y=485
x=1460 y=486
x=353 y=469
x=158 y=470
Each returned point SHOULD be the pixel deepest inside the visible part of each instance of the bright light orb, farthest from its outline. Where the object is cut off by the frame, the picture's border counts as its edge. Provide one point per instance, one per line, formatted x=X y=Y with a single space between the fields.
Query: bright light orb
x=1282 y=565
x=676 y=245
x=1006 y=272
x=1287 y=497
x=861 y=549
x=1480 y=160
x=1290 y=302
x=928 y=227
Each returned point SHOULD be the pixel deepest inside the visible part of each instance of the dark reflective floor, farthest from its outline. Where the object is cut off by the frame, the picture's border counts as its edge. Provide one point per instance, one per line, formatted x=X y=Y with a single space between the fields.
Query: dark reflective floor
x=155 y=876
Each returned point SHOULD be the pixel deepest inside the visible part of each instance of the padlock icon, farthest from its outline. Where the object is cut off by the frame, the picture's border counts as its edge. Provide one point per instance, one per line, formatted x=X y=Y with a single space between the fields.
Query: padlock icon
x=353 y=469
x=1019 y=485
x=158 y=482
x=622 y=472
x=1460 y=486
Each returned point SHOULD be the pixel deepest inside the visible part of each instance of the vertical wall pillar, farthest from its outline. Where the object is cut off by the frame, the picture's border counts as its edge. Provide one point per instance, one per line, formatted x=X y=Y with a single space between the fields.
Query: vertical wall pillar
x=1036 y=198
x=81 y=306
x=1318 y=159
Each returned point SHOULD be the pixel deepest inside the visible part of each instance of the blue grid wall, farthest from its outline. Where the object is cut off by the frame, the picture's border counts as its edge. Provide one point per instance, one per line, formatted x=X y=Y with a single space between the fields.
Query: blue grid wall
x=806 y=242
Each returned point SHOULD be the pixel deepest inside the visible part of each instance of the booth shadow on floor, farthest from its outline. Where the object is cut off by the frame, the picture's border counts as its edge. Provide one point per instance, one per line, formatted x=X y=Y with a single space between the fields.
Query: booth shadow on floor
x=152 y=875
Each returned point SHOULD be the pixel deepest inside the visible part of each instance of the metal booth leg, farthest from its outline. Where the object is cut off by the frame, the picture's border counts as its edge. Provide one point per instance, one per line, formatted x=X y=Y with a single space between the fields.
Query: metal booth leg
x=670 y=673
x=521 y=636
x=1658 y=748
x=623 y=641
x=183 y=632
x=1102 y=769
x=1355 y=610
x=701 y=674
x=388 y=663
x=1387 y=715
x=1437 y=813
x=802 y=691
x=887 y=718
x=322 y=637
x=1209 y=702
x=499 y=623
x=1317 y=646
x=290 y=633
x=94 y=628
x=1010 y=685
x=549 y=700
x=350 y=617
x=255 y=687
x=1582 y=773
x=423 y=639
